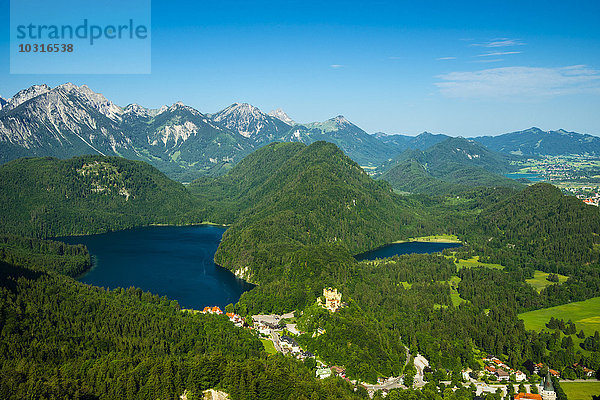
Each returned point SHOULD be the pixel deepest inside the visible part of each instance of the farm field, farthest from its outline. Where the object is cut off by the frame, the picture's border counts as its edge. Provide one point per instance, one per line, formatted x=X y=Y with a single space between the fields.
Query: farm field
x=539 y=280
x=585 y=314
x=581 y=390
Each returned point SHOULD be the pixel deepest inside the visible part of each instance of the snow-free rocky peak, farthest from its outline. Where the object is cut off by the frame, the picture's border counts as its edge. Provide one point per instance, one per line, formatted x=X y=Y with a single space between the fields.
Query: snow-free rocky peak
x=250 y=122
x=341 y=121
x=95 y=100
x=282 y=116
x=27 y=94
x=137 y=110
x=179 y=106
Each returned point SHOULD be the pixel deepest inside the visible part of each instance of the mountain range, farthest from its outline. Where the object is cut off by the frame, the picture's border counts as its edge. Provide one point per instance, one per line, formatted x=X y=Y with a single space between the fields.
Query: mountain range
x=536 y=142
x=184 y=143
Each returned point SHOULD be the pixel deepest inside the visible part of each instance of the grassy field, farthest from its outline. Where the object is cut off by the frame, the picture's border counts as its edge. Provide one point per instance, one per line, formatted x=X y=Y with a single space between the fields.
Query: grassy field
x=454 y=296
x=581 y=390
x=539 y=280
x=433 y=238
x=268 y=345
x=473 y=262
x=585 y=315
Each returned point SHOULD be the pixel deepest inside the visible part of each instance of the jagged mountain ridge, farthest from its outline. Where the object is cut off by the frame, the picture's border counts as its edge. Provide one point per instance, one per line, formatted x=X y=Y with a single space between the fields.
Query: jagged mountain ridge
x=362 y=147
x=68 y=121
x=71 y=120
x=251 y=122
x=61 y=122
x=281 y=115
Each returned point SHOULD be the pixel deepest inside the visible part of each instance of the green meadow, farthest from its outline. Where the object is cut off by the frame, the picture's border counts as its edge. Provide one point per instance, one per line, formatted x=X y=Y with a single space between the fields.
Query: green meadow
x=474 y=262
x=539 y=280
x=581 y=390
x=585 y=314
x=269 y=347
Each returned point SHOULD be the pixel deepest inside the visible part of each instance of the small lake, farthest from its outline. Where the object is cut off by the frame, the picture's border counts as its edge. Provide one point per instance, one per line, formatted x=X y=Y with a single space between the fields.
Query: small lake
x=530 y=177
x=174 y=261
x=406 y=248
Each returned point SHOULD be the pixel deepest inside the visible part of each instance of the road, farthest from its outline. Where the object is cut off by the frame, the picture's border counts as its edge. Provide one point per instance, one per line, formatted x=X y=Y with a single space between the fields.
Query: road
x=275 y=340
x=397 y=382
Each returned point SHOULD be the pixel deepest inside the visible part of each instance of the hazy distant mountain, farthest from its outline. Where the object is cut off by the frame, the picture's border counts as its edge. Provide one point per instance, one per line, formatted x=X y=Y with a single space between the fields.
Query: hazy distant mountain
x=397 y=140
x=280 y=114
x=449 y=166
x=425 y=140
x=422 y=141
x=464 y=152
x=534 y=141
x=363 y=148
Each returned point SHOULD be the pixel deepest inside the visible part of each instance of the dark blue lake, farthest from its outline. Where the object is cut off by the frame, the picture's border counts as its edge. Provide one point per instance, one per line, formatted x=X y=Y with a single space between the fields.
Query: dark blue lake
x=174 y=261
x=405 y=248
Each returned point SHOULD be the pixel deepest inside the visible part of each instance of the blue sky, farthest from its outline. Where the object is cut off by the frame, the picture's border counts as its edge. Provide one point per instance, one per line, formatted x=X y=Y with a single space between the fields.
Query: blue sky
x=461 y=68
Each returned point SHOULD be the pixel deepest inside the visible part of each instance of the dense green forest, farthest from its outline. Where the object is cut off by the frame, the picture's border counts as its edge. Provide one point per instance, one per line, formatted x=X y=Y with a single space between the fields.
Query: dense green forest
x=452 y=166
x=47 y=197
x=66 y=259
x=540 y=227
x=412 y=176
x=317 y=196
x=65 y=340
x=298 y=215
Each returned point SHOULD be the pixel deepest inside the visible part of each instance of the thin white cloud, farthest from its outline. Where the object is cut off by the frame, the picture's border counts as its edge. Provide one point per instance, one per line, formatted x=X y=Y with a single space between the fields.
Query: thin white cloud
x=520 y=82
x=498 y=53
x=501 y=42
x=446 y=58
x=489 y=60
x=336 y=66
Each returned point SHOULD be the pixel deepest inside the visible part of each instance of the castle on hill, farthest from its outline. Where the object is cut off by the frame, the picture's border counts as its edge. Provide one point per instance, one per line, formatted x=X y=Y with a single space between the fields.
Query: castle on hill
x=333 y=299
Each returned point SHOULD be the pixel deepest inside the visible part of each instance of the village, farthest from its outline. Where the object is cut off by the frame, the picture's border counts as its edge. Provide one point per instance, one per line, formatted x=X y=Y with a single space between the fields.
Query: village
x=495 y=376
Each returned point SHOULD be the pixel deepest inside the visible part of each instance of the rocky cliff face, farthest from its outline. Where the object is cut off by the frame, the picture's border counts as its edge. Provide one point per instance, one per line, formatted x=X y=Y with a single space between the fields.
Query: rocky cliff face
x=252 y=123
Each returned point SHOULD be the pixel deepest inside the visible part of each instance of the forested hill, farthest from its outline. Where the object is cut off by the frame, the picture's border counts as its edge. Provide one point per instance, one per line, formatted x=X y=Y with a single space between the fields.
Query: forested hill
x=47 y=197
x=411 y=176
x=316 y=196
x=226 y=197
x=540 y=226
x=451 y=166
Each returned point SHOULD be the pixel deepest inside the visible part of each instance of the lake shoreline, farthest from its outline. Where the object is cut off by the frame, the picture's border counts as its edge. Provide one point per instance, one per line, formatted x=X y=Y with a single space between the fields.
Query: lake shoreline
x=430 y=239
x=415 y=245
x=173 y=261
x=57 y=238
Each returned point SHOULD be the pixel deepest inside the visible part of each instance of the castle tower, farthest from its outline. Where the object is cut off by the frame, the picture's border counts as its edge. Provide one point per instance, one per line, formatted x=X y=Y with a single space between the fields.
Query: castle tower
x=547 y=389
